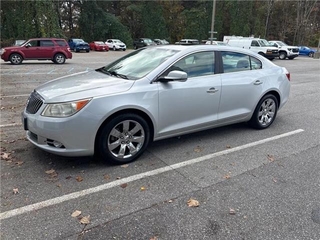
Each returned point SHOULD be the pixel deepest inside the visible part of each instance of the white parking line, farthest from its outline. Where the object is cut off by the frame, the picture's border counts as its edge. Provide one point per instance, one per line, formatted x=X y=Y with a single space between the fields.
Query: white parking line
x=85 y=192
x=10 y=125
x=13 y=96
x=33 y=71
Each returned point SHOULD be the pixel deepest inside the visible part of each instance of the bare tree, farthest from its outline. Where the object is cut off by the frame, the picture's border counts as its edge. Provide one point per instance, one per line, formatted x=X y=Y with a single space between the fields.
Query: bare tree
x=304 y=9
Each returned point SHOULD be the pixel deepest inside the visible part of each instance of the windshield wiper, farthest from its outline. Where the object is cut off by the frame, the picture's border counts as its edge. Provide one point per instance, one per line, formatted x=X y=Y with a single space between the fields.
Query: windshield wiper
x=112 y=73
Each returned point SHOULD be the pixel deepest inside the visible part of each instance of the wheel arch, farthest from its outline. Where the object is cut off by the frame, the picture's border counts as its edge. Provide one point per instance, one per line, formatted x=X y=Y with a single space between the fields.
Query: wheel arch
x=274 y=93
x=59 y=53
x=17 y=52
x=125 y=111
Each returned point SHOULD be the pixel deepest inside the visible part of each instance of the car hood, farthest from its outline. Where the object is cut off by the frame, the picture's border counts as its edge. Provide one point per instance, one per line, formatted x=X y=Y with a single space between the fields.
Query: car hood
x=82 y=85
x=12 y=48
x=82 y=43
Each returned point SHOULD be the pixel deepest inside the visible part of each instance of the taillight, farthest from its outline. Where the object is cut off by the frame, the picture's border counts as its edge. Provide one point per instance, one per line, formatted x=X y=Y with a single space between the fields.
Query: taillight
x=288 y=75
x=69 y=49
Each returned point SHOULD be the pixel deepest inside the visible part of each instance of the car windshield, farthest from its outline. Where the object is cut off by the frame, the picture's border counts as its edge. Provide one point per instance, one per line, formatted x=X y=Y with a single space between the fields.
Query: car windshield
x=282 y=44
x=138 y=63
x=100 y=43
x=19 y=42
x=78 y=40
x=147 y=40
x=265 y=43
x=117 y=41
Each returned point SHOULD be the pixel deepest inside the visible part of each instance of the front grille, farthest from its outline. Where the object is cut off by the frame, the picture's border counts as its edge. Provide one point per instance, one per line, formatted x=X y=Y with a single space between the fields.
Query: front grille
x=34 y=103
x=295 y=50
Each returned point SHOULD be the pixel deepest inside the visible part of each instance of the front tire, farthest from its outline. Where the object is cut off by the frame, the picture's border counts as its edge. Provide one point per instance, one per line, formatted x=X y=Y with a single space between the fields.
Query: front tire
x=265 y=112
x=123 y=139
x=59 y=58
x=114 y=48
x=16 y=59
x=282 y=55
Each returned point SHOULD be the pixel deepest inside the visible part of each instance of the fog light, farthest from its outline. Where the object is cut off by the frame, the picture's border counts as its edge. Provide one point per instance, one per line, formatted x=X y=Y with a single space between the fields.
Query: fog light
x=57 y=144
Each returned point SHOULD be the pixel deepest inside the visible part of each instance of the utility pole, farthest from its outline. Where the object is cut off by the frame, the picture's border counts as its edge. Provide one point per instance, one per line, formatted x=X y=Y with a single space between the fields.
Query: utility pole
x=212 y=21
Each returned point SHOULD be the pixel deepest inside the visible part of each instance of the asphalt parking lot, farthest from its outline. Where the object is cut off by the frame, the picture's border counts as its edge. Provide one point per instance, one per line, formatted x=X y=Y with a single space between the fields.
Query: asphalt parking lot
x=248 y=184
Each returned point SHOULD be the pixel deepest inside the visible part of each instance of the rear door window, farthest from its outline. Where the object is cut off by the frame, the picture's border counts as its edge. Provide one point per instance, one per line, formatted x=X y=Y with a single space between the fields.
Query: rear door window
x=236 y=62
x=46 y=43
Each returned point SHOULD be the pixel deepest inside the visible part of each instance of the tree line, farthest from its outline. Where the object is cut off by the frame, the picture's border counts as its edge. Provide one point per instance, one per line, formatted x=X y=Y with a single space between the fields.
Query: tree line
x=295 y=22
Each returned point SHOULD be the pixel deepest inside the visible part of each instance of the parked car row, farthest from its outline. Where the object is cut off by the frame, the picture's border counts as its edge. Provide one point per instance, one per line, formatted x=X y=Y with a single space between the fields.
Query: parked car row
x=58 y=50
x=145 y=42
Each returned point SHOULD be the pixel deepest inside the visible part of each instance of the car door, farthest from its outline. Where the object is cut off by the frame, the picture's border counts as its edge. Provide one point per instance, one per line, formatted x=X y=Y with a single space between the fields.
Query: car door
x=242 y=86
x=109 y=43
x=31 y=49
x=47 y=48
x=193 y=104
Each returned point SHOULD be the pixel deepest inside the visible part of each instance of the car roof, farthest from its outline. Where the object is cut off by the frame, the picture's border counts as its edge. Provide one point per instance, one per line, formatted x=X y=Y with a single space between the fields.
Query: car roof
x=45 y=39
x=185 y=49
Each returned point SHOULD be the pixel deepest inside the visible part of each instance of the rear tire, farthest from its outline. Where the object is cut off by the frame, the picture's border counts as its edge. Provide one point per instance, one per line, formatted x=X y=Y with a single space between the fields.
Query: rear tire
x=265 y=112
x=311 y=54
x=59 y=58
x=114 y=48
x=16 y=59
x=123 y=139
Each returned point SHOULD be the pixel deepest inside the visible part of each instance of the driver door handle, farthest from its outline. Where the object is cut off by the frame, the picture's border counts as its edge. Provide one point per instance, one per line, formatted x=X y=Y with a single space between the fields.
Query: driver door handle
x=212 y=90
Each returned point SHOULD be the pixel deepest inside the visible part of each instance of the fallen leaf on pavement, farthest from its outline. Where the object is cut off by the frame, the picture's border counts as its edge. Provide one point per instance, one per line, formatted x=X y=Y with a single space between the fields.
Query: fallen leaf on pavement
x=154 y=238
x=51 y=171
x=227 y=176
x=197 y=149
x=19 y=163
x=15 y=190
x=193 y=203
x=124 y=185
x=79 y=178
x=5 y=156
x=85 y=220
x=106 y=177
x=271 y=158
x=124 y=166
x=228 y=146
x=76 y=213
x=232 y=211
x=142 y=188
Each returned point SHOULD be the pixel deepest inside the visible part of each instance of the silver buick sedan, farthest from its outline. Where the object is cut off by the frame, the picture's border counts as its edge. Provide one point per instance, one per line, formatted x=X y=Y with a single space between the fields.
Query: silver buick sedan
x=151 y=94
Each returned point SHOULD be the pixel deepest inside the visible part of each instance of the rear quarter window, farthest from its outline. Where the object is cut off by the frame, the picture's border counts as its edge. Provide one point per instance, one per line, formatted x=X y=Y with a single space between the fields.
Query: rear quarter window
x=62 y=43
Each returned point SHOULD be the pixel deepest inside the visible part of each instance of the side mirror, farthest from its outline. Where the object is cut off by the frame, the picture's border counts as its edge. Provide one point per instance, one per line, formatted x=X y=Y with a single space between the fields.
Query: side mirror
x=174 y=76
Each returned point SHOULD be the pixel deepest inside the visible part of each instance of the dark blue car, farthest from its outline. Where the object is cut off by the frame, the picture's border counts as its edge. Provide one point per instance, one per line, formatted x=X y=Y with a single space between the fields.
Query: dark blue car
x=77 y=45
x=304 y=50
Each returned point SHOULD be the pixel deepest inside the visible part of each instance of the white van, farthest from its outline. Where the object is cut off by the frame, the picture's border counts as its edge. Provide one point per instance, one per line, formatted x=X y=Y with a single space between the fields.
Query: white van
x=258 y=45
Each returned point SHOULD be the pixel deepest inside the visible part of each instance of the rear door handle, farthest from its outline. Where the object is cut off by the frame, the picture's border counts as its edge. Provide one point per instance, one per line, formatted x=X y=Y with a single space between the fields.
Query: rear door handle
x=212 y=90
x=258 y=82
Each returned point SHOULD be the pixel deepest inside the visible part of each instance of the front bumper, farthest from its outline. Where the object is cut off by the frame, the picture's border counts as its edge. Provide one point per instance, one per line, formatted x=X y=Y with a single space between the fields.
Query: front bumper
x=76 y=137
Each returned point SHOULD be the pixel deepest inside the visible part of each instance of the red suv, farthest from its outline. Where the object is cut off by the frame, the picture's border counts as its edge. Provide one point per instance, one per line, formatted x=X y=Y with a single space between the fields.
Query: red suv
x=54 y=49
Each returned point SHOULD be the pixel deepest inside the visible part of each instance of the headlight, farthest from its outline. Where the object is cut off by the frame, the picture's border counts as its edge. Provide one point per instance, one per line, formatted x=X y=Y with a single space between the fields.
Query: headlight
x=64 y=109
x=2 y=51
